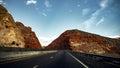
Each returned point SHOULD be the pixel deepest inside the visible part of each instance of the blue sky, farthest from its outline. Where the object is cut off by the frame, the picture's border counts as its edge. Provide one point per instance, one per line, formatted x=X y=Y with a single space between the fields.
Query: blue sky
x=50 y=18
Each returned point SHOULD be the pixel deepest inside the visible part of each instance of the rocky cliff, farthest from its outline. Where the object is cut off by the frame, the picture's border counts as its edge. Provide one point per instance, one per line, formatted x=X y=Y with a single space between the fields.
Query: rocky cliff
x=10 y=34
x=31 y=41
x=15 y=34
x=85 y=42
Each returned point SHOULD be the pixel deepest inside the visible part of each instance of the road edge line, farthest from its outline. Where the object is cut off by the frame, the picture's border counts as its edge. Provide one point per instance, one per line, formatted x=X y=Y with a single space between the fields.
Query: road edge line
x=78 y=60
x=35 y=66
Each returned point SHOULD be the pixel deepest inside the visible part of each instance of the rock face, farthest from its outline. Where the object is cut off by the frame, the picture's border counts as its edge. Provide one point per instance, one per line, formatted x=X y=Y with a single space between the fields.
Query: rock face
x=10 y=34
x=15 y=34
x=85 y=42
x=31 y=41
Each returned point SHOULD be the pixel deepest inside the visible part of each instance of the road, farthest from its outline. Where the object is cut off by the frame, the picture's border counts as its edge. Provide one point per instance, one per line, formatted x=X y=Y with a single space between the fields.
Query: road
x=63 y=59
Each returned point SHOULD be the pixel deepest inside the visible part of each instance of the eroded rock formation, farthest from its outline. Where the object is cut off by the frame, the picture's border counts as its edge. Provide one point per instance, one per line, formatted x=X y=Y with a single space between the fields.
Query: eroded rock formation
x=85 y=42
x=15 y=34
x=31 y=41
x=10 y=34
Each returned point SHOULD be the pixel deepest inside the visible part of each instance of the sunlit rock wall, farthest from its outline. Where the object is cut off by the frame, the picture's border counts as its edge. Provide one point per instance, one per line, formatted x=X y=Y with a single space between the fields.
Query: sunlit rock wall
x=10 y=34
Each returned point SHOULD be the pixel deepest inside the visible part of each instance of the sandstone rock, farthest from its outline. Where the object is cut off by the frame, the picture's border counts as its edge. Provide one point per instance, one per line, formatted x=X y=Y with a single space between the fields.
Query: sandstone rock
x=85 y=42
x=31 y=41
x=10 y=34
x=15 y=34
x=2 y=9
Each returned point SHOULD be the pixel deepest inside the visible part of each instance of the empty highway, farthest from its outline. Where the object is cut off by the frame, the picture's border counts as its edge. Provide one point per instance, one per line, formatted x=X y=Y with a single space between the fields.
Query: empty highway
x=63 y=59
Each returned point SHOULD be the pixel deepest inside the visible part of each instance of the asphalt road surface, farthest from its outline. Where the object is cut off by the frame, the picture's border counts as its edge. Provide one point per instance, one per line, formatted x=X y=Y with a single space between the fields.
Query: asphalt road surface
x=63 y=59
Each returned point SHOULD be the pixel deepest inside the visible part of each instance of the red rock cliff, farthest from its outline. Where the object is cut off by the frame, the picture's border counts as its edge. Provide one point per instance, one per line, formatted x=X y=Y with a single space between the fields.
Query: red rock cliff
x=85 y=42
x=31 y=41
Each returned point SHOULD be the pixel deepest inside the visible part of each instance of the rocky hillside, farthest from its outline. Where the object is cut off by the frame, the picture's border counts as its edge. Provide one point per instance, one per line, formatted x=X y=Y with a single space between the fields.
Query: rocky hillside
x=85 y=42
x=15 y=34
x=31 y=41
x=10 y=34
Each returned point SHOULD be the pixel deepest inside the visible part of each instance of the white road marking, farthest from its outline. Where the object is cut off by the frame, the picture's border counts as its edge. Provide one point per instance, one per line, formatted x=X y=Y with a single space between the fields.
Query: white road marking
x=78 y=60
x=35 y=66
